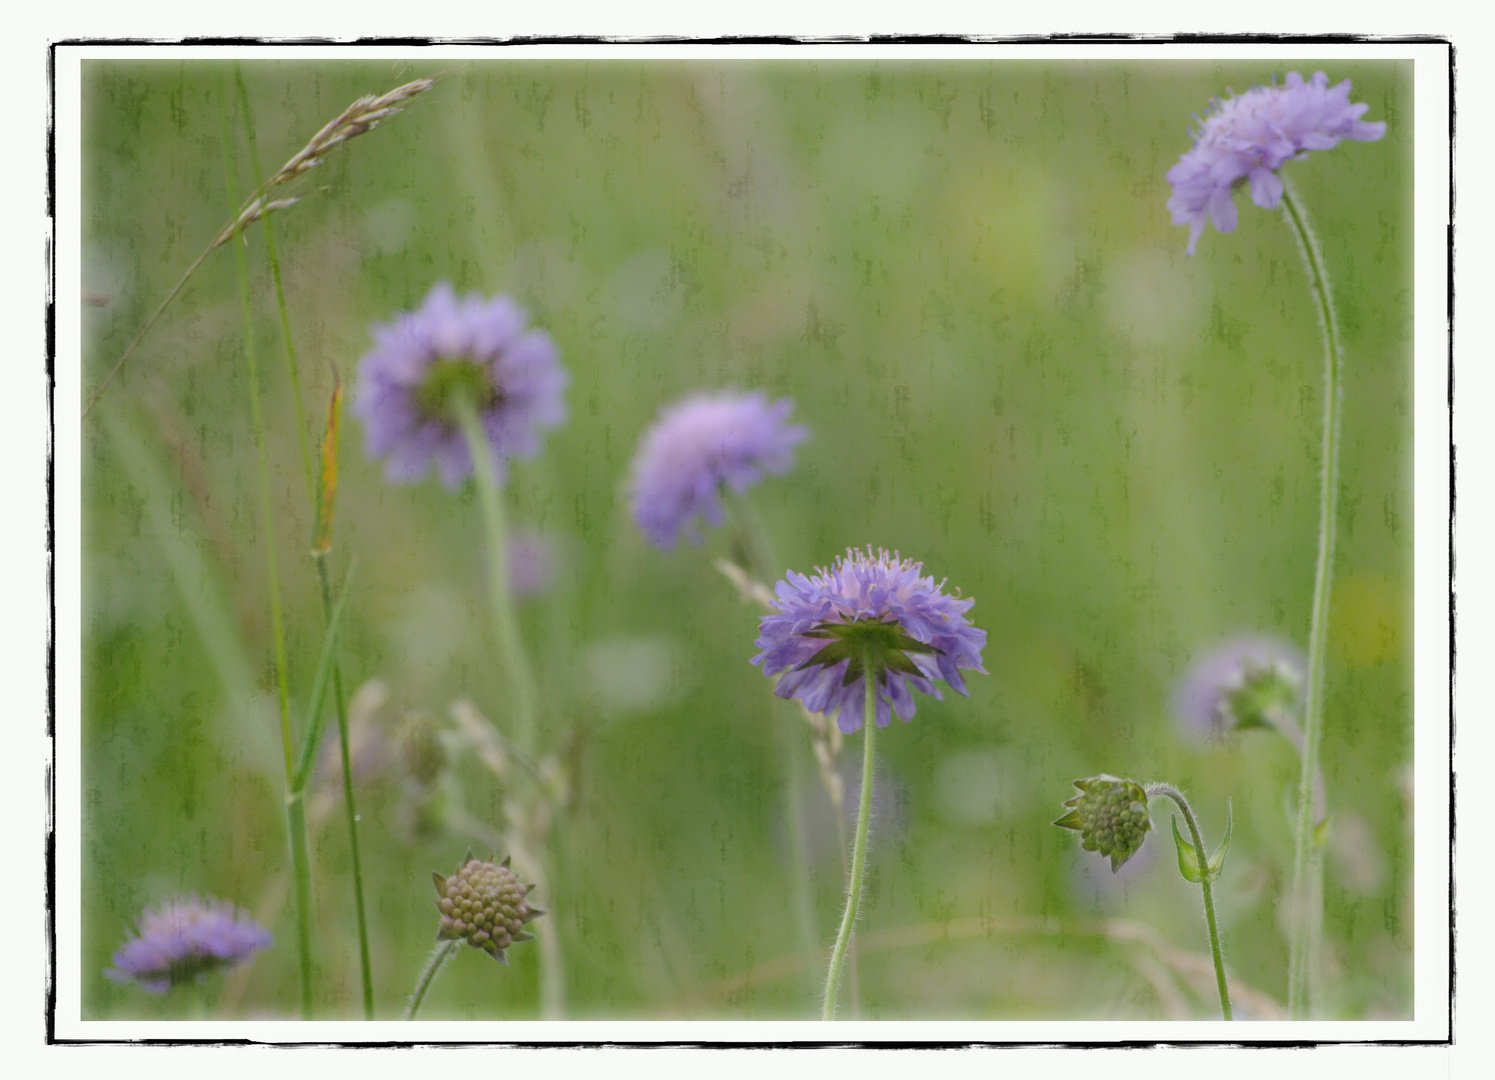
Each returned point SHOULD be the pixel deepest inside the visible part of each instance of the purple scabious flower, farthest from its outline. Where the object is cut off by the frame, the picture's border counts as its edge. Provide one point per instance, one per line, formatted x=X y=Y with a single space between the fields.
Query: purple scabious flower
x=699 y=445
x=1248 y=138
x=1246 y=682
x=184 y=940
x=867 y=604
x=424 y=362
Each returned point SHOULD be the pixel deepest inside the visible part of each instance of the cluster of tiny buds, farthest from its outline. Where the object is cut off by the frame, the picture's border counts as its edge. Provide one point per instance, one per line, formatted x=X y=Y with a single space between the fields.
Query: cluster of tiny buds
x=484 y=904
x=1110 y=814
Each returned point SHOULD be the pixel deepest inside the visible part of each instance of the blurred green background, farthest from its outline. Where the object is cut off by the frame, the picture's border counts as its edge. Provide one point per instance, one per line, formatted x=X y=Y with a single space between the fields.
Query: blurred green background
x=965 y=275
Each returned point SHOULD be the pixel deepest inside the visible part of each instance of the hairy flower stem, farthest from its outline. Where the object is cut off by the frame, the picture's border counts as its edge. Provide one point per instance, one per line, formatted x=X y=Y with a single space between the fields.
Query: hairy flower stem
x=859 y=850
x=506 y=624
x=1209 y=900
x=296 y=814
x=500 y=599
x=439 y=956
x=1307 y=867
x=318 y=557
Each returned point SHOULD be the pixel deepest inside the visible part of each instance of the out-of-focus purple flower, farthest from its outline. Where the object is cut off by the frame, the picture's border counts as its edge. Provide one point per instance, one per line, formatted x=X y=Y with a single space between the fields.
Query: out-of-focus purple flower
x=1247 y=682
x=531 y=563
x=425 y=361
x=1246 y=139
x=829 y=623
x=184 y=940
x=700 y=445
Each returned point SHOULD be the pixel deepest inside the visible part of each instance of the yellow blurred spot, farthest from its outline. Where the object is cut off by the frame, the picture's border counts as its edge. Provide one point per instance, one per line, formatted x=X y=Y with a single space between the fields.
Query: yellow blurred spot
x=1366 y=617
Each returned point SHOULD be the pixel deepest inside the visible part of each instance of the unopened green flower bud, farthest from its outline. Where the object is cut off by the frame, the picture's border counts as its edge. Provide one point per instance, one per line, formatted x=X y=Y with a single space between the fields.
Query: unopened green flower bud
x=1110 y=814
x=484 y=904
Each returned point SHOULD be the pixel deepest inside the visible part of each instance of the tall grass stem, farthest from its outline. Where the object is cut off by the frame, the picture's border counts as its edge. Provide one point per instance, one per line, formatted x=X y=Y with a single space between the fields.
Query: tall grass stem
x=314 y=497
x=296 y=815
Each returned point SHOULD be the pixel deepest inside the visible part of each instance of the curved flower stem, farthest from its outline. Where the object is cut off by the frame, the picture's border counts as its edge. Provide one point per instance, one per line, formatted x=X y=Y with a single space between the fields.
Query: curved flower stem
x=859 y=850
x=1306 y=866
x=295 y=811
x=506 y=623
x=1209 y=900
x=439 y=956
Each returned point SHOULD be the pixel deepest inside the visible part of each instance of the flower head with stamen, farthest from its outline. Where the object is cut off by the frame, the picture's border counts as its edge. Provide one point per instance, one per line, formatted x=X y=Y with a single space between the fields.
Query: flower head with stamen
x=1247 y=138
x=699 y=446
x=184 y=940
x=427 y=362
x=867 y=613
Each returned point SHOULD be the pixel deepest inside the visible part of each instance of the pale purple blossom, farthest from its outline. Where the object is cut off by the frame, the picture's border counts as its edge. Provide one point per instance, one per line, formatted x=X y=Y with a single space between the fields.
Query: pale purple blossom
x=1246 y=139
x=183 y=941
x=1243 y=682
x=867 y=600
x=697 y=447
x=425 y=361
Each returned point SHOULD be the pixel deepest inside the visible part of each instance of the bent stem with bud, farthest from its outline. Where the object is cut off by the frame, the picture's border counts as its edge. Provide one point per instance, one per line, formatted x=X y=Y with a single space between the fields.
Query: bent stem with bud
x=1111 y=816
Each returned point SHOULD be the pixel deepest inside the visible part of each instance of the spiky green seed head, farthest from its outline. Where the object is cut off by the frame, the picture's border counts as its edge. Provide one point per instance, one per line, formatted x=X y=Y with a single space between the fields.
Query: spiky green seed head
x=1110 y=814
x=485 y=905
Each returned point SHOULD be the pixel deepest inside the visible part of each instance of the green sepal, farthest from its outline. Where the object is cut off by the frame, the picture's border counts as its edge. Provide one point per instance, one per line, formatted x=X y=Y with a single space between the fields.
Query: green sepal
x=1217 y=860
x=1188 y=857
x=1320 y=833
x=533 y=913
x=500 y=957
x=468 y=857
x=1254 y=722
x=505 y=863
x=1070 y=820
x=884 y=642
x=440 y=883
x=523 y=935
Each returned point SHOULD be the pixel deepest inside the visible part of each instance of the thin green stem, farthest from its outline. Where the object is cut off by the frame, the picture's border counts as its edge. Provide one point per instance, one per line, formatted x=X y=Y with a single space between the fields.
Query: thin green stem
x=859 y=850
x=506 y=624
x=296 y=816
x=314 y=497
x=1209 y=900
x=280 y=296
x=350 y=805
x=439 y=956
x=1302 y=961
x=758 y=555
x=501 y=601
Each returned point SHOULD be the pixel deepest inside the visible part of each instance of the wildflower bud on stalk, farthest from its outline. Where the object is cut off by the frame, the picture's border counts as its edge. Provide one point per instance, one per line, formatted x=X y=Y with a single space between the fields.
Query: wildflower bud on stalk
x=484 y=905
x=1110 y=814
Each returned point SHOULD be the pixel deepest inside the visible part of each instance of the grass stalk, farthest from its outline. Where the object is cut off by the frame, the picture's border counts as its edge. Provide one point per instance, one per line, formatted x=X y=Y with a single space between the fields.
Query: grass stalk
x=296 y=814
x=315 y=495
